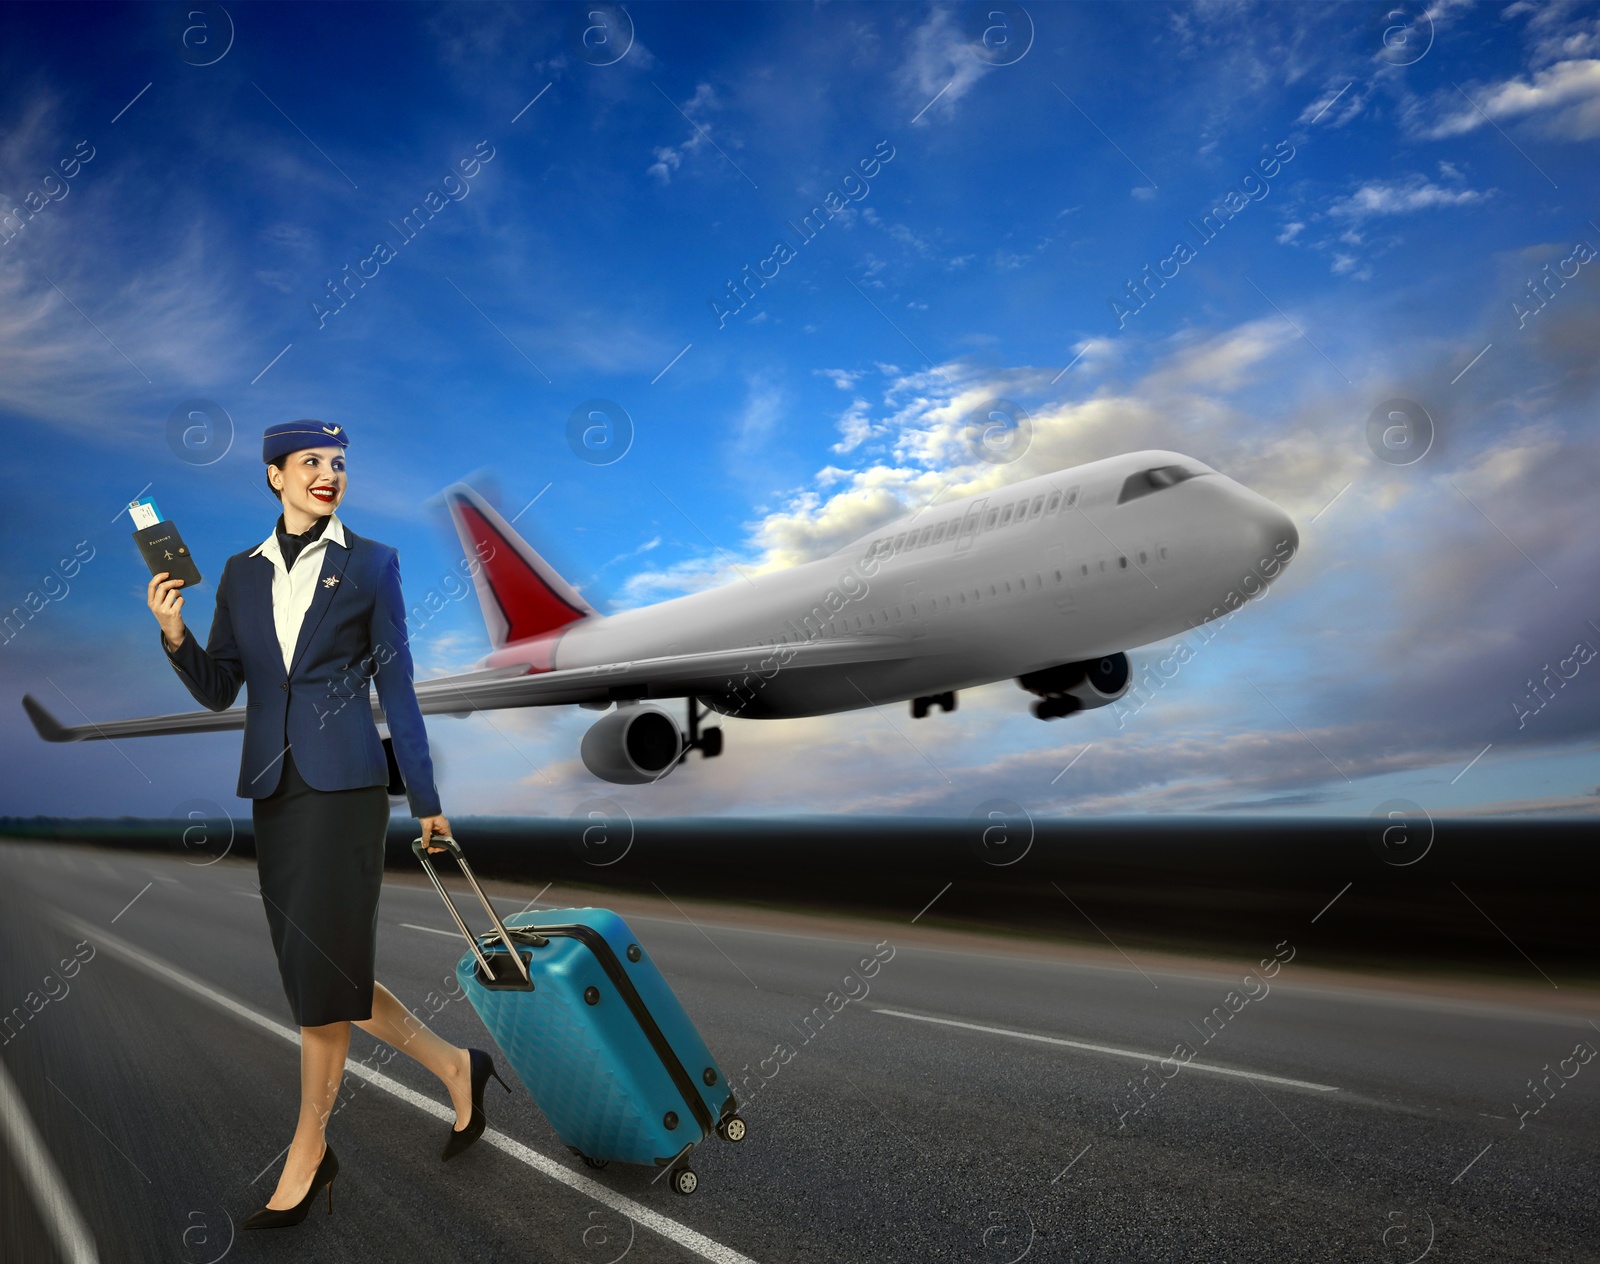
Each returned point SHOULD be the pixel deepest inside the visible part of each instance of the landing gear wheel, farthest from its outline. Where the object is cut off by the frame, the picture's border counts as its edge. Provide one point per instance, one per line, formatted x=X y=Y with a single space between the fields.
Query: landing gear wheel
x=685 y=1181
x=597 y=1164
x=731 y=1129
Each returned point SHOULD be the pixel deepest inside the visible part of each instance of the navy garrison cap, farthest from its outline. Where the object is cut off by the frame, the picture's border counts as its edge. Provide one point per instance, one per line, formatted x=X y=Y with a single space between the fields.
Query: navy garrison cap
x=291 y=436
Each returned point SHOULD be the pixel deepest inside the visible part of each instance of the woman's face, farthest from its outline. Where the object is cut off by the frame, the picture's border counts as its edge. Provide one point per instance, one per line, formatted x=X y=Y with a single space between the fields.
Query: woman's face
x=312 y=480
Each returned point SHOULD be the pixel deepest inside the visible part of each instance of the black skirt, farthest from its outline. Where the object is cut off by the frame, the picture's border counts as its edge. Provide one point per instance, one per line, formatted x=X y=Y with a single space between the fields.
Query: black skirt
x=319 y=859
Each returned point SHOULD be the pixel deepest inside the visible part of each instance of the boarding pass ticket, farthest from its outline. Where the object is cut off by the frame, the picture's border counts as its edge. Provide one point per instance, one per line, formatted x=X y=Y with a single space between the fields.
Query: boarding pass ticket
x=144 y=513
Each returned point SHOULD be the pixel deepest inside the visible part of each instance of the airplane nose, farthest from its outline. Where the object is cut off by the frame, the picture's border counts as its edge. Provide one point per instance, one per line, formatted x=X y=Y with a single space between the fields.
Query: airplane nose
x=1271 y=532
x=1279 y=536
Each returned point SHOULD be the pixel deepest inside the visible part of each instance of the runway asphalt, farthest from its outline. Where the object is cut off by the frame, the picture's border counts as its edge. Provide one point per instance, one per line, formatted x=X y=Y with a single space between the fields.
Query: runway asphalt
x=959 y=1099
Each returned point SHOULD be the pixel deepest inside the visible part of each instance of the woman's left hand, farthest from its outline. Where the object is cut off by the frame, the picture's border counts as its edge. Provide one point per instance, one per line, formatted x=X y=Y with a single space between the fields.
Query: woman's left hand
x=432 y=825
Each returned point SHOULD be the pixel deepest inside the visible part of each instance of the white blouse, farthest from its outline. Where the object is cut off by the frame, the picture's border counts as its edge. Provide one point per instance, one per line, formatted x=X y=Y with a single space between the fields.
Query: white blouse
x=292 y=590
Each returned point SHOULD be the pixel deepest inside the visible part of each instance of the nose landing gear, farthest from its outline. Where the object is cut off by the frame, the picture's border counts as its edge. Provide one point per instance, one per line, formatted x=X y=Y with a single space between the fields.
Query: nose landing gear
x=921 y=706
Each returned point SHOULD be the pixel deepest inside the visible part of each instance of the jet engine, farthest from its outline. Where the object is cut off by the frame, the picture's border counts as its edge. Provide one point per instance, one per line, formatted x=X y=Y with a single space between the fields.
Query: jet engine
x=636 y=743
x=1096 y=682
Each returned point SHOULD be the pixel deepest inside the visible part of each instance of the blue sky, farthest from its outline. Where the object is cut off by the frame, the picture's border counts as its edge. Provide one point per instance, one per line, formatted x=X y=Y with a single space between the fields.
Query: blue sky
x=1397 y=185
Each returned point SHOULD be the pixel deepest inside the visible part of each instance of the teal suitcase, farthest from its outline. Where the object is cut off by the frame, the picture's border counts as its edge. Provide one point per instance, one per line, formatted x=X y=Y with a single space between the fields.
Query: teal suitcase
x=595 y=1033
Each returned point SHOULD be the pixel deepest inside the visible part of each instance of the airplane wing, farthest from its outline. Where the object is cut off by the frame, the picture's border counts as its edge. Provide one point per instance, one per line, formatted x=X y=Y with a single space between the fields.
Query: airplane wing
x=52 y=730
x=672 y=676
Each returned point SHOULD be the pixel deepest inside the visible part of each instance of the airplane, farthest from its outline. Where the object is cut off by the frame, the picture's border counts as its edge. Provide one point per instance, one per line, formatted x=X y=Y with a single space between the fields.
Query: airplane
x=1048 y=581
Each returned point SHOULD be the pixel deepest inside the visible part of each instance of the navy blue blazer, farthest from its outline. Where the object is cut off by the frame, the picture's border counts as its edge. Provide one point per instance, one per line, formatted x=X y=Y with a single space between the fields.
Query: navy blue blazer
x=353 y=634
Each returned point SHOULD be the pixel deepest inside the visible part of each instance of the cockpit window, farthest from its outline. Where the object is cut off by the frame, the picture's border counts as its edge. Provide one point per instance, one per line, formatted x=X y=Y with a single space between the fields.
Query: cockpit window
x=1153 y=480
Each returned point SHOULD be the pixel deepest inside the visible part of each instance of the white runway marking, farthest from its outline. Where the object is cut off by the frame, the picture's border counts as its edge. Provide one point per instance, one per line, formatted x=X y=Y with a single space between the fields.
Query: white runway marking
x=1120 y=1053
x=39 y=1174
x=689 y=1239
x=433 y=930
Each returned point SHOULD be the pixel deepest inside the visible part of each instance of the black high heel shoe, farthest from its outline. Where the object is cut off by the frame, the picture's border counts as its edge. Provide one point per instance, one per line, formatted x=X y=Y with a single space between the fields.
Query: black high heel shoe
x=460 y=1139
x=278 y=1218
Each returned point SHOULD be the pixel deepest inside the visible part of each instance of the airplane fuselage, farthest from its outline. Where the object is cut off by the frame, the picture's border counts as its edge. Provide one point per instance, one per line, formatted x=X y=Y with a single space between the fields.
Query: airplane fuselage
x=1059 y=568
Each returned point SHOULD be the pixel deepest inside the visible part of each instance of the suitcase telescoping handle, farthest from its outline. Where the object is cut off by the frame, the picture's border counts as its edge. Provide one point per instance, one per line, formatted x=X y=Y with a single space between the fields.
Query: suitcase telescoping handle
x=421 y=851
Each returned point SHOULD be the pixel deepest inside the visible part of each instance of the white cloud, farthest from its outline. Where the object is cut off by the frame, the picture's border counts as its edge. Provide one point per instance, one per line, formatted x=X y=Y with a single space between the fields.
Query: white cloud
x=855 y=426
x=1090 y=355
x=844 y=379
x=670 y=158
x=1336 y=106
x=79 y=351
x=762 y=414
x=1402 y=197
x=1563 y=100
x=1224 y=361
x=906 y=237
x=940 y=64
x=654 y=542
x=284 y=281
x=667 y=161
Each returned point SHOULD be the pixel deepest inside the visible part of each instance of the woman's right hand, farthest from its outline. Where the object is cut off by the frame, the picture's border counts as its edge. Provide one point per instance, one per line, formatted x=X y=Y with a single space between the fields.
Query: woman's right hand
x=167 y=606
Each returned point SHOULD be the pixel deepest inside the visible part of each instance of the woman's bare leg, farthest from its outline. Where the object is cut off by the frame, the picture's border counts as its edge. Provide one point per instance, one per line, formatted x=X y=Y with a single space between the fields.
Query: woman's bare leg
x=322 y=1055
x=394 y=1024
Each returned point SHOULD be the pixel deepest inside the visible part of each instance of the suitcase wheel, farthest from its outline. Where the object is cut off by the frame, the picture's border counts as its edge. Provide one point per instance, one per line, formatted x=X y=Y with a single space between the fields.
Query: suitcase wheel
x=597 y=1164
x=684 y=1180
x=731 y=1129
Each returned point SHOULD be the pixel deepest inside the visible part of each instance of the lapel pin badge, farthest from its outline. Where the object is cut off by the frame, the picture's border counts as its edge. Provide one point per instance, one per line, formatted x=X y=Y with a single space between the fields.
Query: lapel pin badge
x=330 y=581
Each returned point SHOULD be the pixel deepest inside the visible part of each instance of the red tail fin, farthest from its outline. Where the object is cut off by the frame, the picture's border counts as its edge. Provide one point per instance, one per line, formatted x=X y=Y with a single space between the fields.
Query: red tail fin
x=521 y=594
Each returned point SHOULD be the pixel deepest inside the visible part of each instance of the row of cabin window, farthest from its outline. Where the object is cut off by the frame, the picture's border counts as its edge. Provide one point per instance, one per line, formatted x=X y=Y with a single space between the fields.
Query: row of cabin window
x=1001 y=588
x=997 y=516
x=1122 y=560
x=882 y=619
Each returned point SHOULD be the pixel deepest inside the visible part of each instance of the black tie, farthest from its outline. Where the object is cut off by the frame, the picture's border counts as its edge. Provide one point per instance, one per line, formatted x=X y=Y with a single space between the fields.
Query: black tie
x=292 y=545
